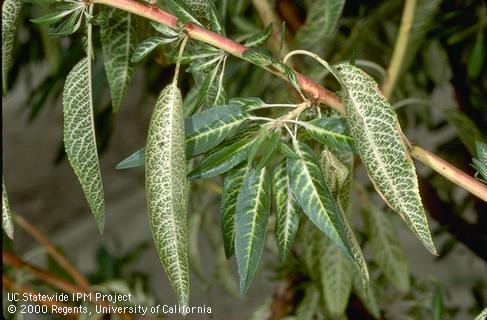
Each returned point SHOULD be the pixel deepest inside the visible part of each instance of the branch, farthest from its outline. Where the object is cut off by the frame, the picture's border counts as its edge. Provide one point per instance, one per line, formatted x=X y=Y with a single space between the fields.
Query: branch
x=315 y=90
x=399 y=48
x=53 y=251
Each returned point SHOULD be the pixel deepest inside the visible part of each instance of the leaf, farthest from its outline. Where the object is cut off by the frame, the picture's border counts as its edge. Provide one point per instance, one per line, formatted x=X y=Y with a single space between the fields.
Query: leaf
x=68 y=26
x=222 y=160
x=312 y=195
x=287 y=216
x=182 y=11
x=10 y=14
x=118 y=38
x=258 y=57
x=248 y=103
x=271 y=144
x=165 y=184
x=259 y=38
x=321 y=23
x=136 y=159
x=377 y=136
x=386 y=248
x=165 y=30
x=482 y=315
x=369 y=299
x=146 y=47
x=231 y=186
x=475 y=62
x=205 y=88
x=7 y=221
x=466 y=129
x=336 y=278
x=338 y=173
x=331 y=131
x=79 y=137
x=56 y=16
x=480 y=164
x=309 y=305
x=207 y=129
x=252 y=213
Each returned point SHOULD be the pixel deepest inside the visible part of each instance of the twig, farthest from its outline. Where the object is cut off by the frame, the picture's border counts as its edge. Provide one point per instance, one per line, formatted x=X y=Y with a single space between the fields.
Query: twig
x=399 y=48
x=316 y=91
x=53 y=251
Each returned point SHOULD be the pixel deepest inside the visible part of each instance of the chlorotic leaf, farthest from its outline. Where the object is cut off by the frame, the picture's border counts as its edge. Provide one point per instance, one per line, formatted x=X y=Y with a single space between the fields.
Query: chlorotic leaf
x=321 y=22
x=166 y=188
x=386 y=248
x=377 y=136
x=206 y=129
x=7 y=221
x=118 y=40
x=287 y=216
x=336 y=278
x=252 y=213
x=79 y=137
x=10 y=14
x=313 y=196
x=231 y=186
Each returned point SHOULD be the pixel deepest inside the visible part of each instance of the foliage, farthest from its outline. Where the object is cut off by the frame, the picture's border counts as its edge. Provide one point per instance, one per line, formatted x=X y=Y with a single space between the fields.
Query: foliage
x=282 y=155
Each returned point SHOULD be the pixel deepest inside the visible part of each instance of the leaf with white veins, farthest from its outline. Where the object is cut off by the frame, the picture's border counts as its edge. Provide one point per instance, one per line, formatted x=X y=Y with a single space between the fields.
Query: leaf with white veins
x=7 y=221
x=252 y=213
x=10 y=13
x=287 y=216
x=118 y=39
x=377 y=136
x=165 y=184
x=79 y=137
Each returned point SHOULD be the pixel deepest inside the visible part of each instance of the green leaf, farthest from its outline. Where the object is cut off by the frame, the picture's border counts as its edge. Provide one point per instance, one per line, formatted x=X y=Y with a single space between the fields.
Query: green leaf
x=480 y=164
x=182 y=11
x=321 y=23
x=231 y=186
x=466 y=129
x=258 y=57
x=369 y=299
x=252 y=213
x=331 y=131
x=10 y=14
x=386 y=248
x=287 y=216
x=377 y=136
x=7 y=221
x=248 y=103
x=336 y=278
x=68 y=26
x=287 y=150
x=79 y=137
x=167 y=31
x=259 y=38
x=118 y=40
x=166 y=188
x=337 y=173
x=207 y=129
x=205 y=88
x=271 y=144
x=146 y=47
x=222 y=160
x=56 y=16
x=136 y=159
x=309 y=305
x=475 y=62
x=312 y=195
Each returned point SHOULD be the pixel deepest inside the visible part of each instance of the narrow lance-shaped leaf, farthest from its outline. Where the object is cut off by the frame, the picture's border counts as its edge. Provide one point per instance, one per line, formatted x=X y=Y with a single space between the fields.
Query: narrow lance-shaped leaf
x=377 y=136
x=287 y=216
x=321 y=22
x=386 y=248
x=165 y=183
x=231 y=186
x=79 y=137
x=480 y=163
x=7 y=221
x=331 y=131
x=118 y=40
x=336 y=278
x=317 y=202
x=207 y=129
x=10 y=13
x=259 y=38
x=146 y=47
x=253 y=206
x=136 y=159
x=482 y=315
